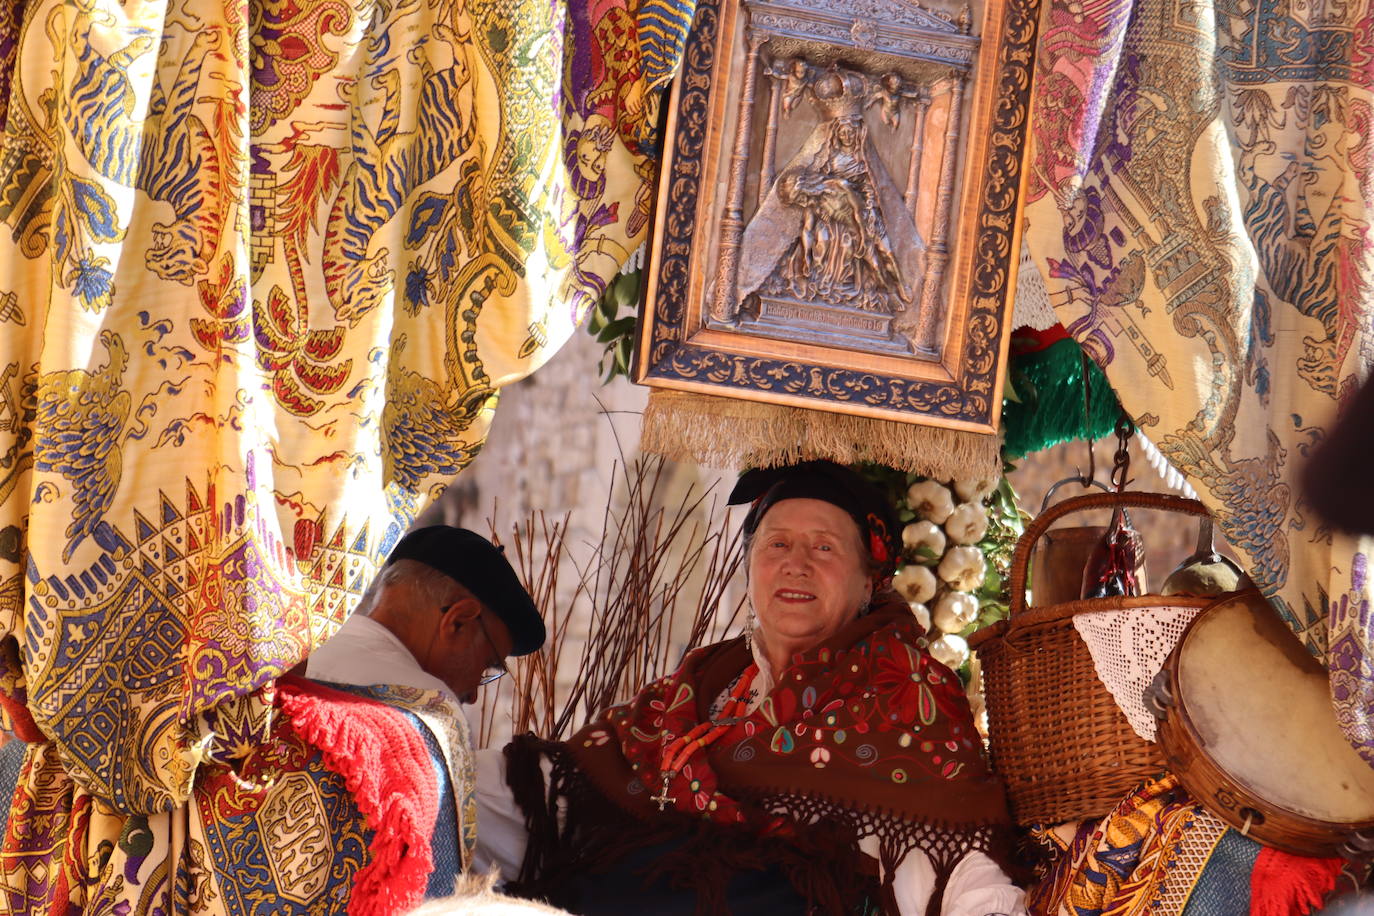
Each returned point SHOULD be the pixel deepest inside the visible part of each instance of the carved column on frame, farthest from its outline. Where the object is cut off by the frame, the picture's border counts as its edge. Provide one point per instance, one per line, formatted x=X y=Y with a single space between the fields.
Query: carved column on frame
x=918 y=146
x=724 y=307
x=770 y=137
x=937 y=251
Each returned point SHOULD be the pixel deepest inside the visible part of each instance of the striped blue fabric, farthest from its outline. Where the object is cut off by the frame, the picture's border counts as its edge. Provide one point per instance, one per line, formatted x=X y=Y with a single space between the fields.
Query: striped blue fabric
x=663 y=27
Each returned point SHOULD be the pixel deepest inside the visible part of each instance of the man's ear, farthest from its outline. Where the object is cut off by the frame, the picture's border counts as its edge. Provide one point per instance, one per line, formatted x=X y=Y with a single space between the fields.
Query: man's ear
x=460 y=612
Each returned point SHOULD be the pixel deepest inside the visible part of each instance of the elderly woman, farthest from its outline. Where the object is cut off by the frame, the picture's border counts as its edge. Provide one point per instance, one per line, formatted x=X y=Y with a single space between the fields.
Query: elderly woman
x=822 y=763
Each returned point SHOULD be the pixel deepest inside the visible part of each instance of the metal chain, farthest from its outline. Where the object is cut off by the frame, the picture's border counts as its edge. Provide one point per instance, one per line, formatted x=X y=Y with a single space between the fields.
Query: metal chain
x=1121 y=461
x=1087 y=478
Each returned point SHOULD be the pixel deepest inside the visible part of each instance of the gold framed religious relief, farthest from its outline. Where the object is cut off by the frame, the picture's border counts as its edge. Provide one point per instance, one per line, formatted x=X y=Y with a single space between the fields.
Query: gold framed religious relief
x=839 y=209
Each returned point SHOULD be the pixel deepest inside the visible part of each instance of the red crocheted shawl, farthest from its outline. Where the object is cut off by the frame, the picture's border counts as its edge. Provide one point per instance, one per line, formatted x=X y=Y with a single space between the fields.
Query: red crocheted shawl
x=387 y=769
x=866 y=721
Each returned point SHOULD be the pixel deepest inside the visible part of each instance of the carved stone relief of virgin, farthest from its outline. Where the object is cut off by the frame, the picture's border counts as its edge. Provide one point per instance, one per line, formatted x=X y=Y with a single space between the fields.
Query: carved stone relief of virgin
x=833 y=246
x=826 y=212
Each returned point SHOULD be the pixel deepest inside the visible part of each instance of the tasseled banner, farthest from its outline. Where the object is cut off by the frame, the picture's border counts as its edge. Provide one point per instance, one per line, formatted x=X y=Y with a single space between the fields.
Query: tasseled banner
x=1047 y=384
x=387 y=769
x=730 y=433
x=1283 y=884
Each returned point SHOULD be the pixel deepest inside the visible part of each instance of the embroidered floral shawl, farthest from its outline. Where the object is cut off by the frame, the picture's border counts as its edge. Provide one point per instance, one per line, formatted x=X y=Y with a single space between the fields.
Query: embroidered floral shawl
x=866 y=731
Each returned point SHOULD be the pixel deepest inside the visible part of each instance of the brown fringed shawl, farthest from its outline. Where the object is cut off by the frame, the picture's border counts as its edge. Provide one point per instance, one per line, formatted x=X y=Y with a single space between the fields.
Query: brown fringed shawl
x=863 y=735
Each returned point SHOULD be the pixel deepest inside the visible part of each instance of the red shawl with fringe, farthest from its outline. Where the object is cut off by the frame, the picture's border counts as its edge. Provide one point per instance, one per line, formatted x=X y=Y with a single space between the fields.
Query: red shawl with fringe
x=388 y=771
x=867 y=719
x=865 y=728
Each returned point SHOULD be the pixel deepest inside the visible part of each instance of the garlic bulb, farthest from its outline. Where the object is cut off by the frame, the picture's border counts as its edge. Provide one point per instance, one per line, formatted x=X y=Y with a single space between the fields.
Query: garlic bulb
x=930 y=500
x=924 y=539
x=963 y=568
x=954 y=611
x=950 y=650
x=975 y=489
x=922 y=615
x=915 y=583
x=967 y=524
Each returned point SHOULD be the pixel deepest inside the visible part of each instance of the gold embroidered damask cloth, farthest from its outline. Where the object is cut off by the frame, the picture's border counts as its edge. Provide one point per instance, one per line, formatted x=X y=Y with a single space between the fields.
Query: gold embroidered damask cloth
x=264 y=267
x=1200 y=198
x=280 y=833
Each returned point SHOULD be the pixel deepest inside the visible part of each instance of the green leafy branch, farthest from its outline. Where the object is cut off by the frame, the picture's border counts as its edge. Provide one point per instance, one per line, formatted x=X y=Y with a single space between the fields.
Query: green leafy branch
x=616 y=331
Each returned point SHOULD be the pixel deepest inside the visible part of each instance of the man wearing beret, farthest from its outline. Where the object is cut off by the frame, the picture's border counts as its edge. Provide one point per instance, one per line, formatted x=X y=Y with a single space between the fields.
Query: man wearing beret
x=443 y=614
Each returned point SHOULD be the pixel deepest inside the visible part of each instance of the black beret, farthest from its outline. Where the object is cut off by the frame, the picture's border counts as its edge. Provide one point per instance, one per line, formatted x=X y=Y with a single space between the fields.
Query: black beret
x=480 y=567
x=828 y=482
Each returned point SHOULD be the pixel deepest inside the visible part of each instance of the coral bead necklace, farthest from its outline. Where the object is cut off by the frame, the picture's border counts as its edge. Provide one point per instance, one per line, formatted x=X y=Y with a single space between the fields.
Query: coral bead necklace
x=680 y=749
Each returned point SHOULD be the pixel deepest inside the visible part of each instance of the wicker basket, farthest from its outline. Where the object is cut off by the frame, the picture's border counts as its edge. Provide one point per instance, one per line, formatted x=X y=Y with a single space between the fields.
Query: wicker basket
x=1057 y=739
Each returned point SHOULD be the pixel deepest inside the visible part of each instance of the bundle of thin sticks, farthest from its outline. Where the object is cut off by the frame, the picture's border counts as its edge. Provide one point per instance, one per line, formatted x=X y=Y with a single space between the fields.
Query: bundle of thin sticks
x=655 y=584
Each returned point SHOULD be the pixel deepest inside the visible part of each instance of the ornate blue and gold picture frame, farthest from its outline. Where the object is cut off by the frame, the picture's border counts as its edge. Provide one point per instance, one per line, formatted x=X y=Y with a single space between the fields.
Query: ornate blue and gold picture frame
x=838 y=217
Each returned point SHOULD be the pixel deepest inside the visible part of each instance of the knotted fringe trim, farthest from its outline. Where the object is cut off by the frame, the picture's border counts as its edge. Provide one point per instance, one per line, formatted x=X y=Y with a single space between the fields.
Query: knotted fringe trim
x=387 y=769
x=728 y=433
x=596 y=833
x=1283 y=884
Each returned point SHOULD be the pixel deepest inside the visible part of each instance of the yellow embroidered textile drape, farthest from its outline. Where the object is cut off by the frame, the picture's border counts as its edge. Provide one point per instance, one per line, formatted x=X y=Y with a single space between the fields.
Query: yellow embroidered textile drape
x=264 y=267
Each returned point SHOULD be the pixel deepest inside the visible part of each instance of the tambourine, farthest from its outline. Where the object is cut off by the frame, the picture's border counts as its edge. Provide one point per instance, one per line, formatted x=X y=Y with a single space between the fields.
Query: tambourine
x=1246 y=723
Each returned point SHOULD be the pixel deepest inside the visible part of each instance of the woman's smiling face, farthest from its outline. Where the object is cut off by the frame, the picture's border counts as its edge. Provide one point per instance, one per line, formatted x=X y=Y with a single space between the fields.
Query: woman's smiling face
x=808 y=575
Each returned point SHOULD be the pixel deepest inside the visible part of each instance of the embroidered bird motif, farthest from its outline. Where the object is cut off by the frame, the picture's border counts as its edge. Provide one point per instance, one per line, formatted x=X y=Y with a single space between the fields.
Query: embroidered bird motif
x=1254 y=500
x=78 y=418
x=420 y=436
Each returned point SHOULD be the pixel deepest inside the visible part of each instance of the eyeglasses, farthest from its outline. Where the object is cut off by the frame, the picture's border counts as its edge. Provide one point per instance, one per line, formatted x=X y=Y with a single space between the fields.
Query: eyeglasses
x=492 y=672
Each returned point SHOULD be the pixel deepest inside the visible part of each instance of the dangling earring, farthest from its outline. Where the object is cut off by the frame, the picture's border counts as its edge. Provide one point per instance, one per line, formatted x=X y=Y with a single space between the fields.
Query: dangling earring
x=749 y=631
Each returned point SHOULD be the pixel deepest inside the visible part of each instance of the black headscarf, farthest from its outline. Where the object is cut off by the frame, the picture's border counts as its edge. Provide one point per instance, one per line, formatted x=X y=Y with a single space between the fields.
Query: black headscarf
x=829 y=482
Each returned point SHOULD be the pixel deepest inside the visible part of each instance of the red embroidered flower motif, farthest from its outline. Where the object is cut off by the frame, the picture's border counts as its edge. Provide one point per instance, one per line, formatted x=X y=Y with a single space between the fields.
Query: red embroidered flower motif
x=700 y=797
x=908 y=698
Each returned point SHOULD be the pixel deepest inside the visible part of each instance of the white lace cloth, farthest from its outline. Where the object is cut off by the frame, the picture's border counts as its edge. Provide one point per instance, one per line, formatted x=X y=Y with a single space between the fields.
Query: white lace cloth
x=1128 y=649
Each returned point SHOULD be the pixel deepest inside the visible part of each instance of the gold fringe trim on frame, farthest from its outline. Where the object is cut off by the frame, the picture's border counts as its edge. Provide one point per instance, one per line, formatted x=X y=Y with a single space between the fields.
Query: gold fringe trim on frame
x=729 y=433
